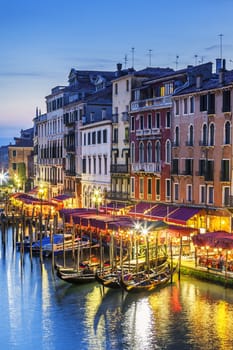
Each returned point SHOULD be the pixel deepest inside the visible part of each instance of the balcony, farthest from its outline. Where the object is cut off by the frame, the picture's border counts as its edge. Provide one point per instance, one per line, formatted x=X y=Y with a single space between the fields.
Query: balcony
x=146 y=167
x=156 y=103
x=70 y=173
x=148 y=132
x=115 y=118
x=117 y=196
x=120 y=168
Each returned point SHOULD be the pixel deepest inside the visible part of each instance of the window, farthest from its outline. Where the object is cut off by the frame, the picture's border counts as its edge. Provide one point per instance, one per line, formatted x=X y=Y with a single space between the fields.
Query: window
x=127 y=85
x=141 y=126
x=157 y=152
x=225 y=170
x=14 y=153
x=191 y=135
x=176 y=191
x=100 y=164
x=168 y=119
x=132 y=152
x=202 y=167
x=94 y=138
x=177 y=136
x=168 y=151
x=203 y=103
x=89 y=165
x=204 y=135
x=99 y=136
x=149 y=152
x=211 y=103
x=168 y=89
x=84 y=165
x=126 y=134
x=89 y=138
x=104 y=136
x=226 y=101
x=227 y=133
x=132 y=185
x=177 y=107
x=105 y=165
x=212 y=134
x=149 y=121
x=175 y=166
x=94 y=165
x=191 y=104
x=115 y=135
x=210 y=194
x=157 y=121
x=116 y=88
x=141 y=185
x=84 y=140
x=141 y=152
x=149 y=186
x=168 y=189
x=226 y=195
x=14 y=166
x=209 y=174
x=157 y=189
x=189 y=193
x=188 y=166
x=185 y=106
x=132 y=123
x=202 y=194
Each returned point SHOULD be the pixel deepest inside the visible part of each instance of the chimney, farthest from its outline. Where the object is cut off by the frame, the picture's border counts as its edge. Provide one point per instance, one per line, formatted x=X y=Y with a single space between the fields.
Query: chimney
x=218 y=65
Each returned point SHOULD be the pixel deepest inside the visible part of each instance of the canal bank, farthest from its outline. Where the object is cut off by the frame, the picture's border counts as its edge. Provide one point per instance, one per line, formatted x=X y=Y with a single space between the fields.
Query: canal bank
x=212 y=275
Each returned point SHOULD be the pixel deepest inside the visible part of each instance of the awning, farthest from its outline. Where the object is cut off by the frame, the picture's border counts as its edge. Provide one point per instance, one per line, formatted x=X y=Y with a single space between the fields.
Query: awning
x=181 y=215
x=160 y=212
x=62 y=197
x=141 y=208
x=217 y=239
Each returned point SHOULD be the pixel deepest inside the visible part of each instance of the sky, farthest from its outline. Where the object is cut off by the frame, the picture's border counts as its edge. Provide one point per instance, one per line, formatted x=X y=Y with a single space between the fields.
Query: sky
x=40 y=41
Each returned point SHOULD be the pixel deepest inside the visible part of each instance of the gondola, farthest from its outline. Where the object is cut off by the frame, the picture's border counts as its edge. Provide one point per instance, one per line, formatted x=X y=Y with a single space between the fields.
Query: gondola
x=109 y=278
x=82 y=276
x=146 y=282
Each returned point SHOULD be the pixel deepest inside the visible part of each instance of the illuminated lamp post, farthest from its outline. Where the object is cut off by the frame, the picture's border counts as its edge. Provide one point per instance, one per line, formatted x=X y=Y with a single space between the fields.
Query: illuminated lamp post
x=97 y=199
x=146 y=234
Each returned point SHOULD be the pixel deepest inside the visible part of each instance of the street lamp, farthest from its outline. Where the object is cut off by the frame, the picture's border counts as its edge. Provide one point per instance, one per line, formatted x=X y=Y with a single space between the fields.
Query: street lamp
x=41 y=194
x=97 y=199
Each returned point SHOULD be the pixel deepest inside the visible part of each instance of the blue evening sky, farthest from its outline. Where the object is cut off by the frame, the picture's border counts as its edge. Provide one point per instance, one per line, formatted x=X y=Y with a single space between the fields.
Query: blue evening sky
x=42 y=40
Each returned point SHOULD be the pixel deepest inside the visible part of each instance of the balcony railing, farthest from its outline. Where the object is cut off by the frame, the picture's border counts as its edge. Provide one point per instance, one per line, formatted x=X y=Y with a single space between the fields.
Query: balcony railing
x=148 y=132
x=117 y=195
x=146 y=167
x=157 y=102
x=125 y=117
x=120 y=168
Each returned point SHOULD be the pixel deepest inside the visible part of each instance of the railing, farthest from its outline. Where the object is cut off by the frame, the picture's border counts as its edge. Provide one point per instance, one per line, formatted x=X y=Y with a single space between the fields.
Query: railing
x=159 y=102
x=125 y=117
x=148 y=132
x=146 y=167
x=120 y=168
x=117 y=195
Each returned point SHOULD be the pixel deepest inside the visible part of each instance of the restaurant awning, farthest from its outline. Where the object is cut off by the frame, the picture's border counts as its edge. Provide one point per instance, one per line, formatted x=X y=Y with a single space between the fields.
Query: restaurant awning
x=217 y=239
x=62 y=197
x=180 y=215
x=160 y=212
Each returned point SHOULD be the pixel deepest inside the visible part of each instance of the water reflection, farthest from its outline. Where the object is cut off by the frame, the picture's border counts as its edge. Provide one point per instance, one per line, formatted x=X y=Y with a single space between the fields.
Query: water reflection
x=51 y=314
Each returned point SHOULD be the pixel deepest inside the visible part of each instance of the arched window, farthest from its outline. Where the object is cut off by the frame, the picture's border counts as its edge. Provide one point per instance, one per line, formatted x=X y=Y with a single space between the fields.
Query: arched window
x=157 y=152
x=132 y=152
x=177 y=136
x=227 y=140
x=168 y=151
x=191 y=135
x=212 y=134
x=141 y=152
x=149 y=152
x=204 y=135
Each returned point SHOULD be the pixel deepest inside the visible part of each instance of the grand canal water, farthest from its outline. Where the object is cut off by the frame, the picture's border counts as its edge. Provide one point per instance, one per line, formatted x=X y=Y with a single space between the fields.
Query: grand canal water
x=39 y=311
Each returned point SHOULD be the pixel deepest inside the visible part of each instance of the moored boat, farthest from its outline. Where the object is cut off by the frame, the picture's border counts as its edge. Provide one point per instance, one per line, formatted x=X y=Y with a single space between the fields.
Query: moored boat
x=144 y=281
